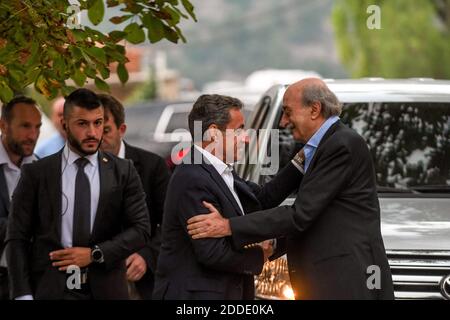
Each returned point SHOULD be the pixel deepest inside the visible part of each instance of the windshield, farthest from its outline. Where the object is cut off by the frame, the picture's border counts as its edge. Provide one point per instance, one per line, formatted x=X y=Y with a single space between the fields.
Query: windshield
x=409 y=143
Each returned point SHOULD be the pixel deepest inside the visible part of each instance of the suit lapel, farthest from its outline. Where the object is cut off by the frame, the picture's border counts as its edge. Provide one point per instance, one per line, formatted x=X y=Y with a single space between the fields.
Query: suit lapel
x=105 y=166
x=53 y=181
x=328 y=134
x=130 y=154
x=248 y=199
x=216 y=177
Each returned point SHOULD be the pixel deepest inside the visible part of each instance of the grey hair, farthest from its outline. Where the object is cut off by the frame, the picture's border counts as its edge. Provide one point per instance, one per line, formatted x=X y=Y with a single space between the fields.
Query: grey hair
x=212 y=109
x=321 y=93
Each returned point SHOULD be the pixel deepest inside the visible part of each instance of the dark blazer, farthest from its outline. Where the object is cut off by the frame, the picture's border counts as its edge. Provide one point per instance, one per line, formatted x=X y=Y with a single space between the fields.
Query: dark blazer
x=211 y=268
x=154 y=174
x=4 y=209
x=333 y=228
x=121 y=227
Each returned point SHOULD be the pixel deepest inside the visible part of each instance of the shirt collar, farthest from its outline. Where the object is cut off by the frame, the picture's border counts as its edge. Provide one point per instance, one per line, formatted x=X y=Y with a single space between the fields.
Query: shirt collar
x=317 y=137
x=73 y=156
x=121 y=153
x=4 y=158
x=218 y=164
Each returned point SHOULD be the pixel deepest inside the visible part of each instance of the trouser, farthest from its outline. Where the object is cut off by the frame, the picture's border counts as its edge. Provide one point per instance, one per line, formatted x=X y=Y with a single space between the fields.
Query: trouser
x=4 y=284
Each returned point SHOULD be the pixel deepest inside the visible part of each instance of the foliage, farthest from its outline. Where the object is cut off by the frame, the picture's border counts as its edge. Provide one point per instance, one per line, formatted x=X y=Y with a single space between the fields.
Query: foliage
x=41 y=45
x=414 y=39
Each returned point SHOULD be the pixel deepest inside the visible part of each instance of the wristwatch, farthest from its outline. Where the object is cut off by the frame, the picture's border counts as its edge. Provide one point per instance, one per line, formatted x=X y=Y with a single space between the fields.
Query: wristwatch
x=97 y=254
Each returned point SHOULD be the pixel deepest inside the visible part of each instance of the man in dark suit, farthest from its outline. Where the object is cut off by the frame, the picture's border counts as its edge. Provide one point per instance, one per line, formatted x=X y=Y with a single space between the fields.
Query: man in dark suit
x=20 y=124
x=76 y=215
x=213 y=268
x=154 y=174
x=333 y=229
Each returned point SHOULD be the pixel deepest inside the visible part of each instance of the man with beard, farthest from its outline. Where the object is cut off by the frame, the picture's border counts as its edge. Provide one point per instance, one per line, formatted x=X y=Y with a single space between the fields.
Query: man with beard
x=76 y=215
x=20 y=124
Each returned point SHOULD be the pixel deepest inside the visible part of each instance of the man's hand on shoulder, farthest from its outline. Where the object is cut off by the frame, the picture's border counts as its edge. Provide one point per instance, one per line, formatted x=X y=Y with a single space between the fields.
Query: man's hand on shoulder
x=210 y=225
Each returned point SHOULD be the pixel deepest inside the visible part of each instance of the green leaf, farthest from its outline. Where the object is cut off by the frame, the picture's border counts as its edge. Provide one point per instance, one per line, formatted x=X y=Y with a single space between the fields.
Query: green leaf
x=6 y=93
x=117 y=36
x=90 y=72
x=174 y=16
x=155 y=28
x=100 y=84
x=66 y=90
x=112 y=3
x=76 y=53
x=96 y=53
x=135 y=34
x=104 y=72
x=120 y=19
x=34 y=55
x=16 y=74
x=59 y=66
x=180 y=34
x=122 y=72
x=170 y=34
x=120 y=48
x=96 y=12
x=79 y=77
x=114 y=55
x=189 y=8
x=31 y=75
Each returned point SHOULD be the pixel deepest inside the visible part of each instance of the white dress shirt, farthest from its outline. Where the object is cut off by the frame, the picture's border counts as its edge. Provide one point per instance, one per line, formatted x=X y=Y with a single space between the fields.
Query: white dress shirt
x=224 y=170
x=12 y=176
x=69 y=171
x=121 y=154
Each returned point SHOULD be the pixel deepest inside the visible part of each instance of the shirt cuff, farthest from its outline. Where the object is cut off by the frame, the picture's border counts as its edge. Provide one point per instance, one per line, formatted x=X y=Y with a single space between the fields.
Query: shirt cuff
x=25 y=297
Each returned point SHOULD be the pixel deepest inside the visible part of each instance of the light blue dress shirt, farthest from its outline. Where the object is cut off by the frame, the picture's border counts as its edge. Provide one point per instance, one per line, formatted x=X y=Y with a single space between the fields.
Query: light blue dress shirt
x=50 y=146
x=311 y=146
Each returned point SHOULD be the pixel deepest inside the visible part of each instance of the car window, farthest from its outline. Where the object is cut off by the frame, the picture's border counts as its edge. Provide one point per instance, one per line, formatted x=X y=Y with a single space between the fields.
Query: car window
x=409 y=142
x=178 y=120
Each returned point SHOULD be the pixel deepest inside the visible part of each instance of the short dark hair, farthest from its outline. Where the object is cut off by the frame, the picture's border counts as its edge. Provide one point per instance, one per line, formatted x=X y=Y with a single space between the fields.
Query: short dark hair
x=83 y=98
x=114 y=106
x=212 y=109
x=7 y=108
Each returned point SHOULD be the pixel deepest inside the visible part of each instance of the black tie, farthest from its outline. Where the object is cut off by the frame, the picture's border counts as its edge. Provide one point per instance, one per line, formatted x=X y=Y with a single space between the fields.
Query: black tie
x=82 y=207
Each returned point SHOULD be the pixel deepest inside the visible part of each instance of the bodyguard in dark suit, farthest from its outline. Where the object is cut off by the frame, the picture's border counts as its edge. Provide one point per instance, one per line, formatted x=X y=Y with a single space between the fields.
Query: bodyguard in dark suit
x=333 y=229
x=213 y=268
x=20 y=124
x=77 y=208
x=154 y=174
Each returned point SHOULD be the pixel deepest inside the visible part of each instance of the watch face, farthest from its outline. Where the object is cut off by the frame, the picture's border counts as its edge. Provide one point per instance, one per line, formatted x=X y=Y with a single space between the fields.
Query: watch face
x=97 y=254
